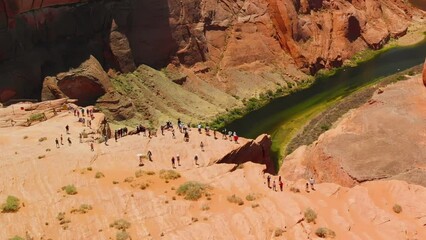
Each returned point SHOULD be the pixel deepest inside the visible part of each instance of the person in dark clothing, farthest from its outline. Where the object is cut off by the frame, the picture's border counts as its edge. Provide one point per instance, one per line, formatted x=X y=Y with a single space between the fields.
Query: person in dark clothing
x=69 y=141
x=268 y=180
x=173 y=162
x=67 y=128
x=57 y=143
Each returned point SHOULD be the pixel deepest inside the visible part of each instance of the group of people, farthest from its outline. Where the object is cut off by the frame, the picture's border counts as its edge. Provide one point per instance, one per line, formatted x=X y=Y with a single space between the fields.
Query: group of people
x=274 y=184
x=121 y=132
x=310 y=183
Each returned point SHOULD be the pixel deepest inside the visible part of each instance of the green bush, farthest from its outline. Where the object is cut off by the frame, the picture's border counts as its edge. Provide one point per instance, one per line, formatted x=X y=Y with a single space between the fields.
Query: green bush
x=169 y=174
x=12 y=204
x=120 y=224
x=84 y=208
x=278 y=232
x=251 y=197
x=70 y=189
x=324 y=232
x=122 y=235
x=397 y=208
x=16 y=238
x=192 y=190
x=129 y=179
x=235 y=199
x=205 y=207
x=99 y=175
x=36 y=117
x=310 y=215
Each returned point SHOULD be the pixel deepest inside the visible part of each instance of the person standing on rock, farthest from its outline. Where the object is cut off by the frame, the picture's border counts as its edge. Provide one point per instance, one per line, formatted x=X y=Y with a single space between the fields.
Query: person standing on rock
x=274 y=186
x=268 y=180
x=307 y=187
x=57 y=143
x=115 y=135
x=312 y=182
x=186 y=137
x=62 y=138
x=178 y=159
x=149 y=154
x=281 y=184
x=199 y=128
x=202 y=146
x=67 y=129
x=196 y=159
x=81 y=138
x=69 y=141
x=173 y=162
x=173 y=133
x=92 y=148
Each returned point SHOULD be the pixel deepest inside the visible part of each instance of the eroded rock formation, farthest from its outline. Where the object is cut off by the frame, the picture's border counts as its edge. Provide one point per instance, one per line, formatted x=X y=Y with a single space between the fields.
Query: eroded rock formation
x=250 y=43
x=383 y=139
x=86 y=83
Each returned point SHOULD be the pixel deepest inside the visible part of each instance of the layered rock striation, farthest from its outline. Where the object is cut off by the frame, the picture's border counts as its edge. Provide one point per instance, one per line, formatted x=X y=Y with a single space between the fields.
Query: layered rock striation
x=238 y=47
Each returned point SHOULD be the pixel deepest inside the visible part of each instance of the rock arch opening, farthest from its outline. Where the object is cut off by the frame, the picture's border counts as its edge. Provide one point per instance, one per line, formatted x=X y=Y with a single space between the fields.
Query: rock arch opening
x=354 y=29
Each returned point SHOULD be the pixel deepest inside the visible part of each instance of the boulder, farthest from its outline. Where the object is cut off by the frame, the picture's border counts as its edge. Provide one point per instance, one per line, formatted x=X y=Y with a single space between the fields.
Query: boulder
x=86 y=83
x=257 y=151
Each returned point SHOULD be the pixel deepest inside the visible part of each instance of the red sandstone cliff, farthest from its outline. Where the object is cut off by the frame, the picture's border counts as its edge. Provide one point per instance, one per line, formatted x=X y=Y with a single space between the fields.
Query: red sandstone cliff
x=226 y=38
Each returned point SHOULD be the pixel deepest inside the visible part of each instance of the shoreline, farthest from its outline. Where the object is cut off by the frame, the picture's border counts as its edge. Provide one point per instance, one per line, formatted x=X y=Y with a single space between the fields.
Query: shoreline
x=329 y=117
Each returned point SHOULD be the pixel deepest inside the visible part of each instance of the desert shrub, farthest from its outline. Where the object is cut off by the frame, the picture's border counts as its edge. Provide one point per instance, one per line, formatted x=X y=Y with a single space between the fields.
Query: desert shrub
x=150 y=173
x=235 y=199
x=70 y=189
x=41 y=156
x=115 y=182
x=84 y=208
x=122 y=235
x=61 y=218
x=192 y=190
x=42 y=139
x=255 y=205
x=144 y=186
x=278 y=232
x=12 y=204
x=169 y=174
x=397 y=208
x=89 y=169
x=324 y=232
x=310 y=215
x=120 y=224
x=48 y=150
x=128 y=179
x=139 y=173
x=25 y=137
x=251 y=197
x=36 y=117
x=16 y=238
x=205 y=207
x=295 y=190
x=99 y=175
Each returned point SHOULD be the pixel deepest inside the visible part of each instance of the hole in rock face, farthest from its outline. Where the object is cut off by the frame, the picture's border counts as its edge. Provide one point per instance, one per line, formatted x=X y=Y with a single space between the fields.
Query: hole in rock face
x=315 y=4
x=354 y=30
x=84 y=89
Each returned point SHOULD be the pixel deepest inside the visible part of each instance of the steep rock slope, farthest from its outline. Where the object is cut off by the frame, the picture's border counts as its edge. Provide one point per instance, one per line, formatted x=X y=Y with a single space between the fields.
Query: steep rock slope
x=383 y=139
x=239 y=47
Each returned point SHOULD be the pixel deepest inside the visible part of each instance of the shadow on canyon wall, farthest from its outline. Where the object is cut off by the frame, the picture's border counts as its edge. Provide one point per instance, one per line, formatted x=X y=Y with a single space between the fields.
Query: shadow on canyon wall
x=42 y=42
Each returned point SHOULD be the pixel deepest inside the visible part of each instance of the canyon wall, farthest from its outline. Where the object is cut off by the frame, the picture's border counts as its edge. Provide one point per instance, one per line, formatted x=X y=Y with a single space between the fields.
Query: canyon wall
x=227 y=44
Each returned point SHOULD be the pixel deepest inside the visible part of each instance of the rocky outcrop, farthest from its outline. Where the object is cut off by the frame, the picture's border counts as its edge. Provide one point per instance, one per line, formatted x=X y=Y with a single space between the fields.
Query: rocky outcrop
x=257 y=151
x=383 y=139
x=246 y=45
x=120 y=48
x=86 y=83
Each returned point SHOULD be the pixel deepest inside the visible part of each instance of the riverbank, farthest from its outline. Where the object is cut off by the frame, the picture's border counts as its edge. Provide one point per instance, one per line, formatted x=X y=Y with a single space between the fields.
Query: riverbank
x=325 y=120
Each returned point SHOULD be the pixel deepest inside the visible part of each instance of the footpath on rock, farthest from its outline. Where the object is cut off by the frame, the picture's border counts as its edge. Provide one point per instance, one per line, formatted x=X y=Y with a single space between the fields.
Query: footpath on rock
x=72 y=192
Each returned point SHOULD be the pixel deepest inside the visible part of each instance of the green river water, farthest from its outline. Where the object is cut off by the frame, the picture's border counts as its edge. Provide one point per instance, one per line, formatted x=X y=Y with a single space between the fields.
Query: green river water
x=284 y=117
